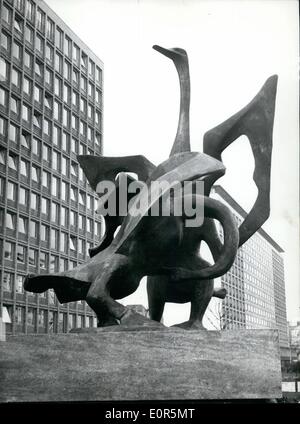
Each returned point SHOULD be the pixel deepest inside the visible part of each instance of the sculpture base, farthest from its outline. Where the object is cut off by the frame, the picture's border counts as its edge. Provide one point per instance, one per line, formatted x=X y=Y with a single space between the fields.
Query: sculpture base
x=141 y=365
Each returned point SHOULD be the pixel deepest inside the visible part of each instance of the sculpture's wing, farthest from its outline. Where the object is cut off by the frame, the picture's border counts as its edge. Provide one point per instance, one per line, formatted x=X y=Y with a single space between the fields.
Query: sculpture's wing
x=100 y=168
x=256 y=122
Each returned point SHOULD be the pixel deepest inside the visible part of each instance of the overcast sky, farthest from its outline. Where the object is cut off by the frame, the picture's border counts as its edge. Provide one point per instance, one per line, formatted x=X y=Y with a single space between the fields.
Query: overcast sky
x=233 y=47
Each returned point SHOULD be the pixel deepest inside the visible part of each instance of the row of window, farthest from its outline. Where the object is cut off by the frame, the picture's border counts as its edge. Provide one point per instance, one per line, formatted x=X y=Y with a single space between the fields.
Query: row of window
x=55 y=35
x=60 y=113
x=52 y=320
x=59 y=215
x=67 y=244
x=57 y=187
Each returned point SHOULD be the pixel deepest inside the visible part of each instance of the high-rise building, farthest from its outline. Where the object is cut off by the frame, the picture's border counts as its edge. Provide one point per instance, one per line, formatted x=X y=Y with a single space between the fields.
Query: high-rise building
x=50 y=111
x=255 y=283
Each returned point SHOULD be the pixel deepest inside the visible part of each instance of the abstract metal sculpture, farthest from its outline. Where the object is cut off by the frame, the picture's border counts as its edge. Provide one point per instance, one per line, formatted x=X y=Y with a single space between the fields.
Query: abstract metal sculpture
x=163 y=247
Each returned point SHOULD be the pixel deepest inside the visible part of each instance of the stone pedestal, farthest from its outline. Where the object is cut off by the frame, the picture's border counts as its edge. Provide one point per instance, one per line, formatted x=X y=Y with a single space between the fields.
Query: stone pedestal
x=141 y=365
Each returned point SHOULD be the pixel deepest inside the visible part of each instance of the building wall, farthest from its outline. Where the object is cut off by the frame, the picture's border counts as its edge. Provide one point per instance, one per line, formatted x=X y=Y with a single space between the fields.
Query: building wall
x=50 y=111
x=255 y=283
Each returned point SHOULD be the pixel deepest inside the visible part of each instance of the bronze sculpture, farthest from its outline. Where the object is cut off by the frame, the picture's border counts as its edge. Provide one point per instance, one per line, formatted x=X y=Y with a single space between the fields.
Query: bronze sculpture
x=163 y=247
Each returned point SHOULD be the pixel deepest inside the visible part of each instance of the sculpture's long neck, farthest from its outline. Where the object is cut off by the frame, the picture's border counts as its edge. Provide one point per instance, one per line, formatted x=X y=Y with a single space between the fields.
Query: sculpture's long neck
x=182 y=139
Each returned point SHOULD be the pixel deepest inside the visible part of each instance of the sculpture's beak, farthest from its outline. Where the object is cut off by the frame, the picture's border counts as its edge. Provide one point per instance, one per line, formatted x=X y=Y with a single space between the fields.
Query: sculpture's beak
x=170 y=53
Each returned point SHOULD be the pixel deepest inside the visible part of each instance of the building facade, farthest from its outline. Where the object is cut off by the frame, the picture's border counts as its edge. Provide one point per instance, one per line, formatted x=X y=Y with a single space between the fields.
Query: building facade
x=255 y=283
x=50 y=111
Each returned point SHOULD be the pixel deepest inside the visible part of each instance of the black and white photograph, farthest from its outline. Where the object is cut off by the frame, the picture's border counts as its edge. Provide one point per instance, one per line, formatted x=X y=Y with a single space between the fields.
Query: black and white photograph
x=149 y=205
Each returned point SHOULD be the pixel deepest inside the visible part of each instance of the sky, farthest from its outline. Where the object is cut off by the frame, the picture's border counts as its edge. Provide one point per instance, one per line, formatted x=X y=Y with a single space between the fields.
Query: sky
x=233 y=47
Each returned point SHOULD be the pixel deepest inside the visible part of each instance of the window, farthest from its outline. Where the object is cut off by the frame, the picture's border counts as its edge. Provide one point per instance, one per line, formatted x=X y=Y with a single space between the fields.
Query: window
x=54 y=212
x=67 y=70
x=44 y=235
x=63 y=242
x=5 y=41
x=83 y=61
x=64 y=191
x=98 y=97
x=81 y=222
x=98 y=139
x=38 y=68
x=43 y=260
x=98 y=75
x=89 y=201
x=9 y=250
x=56 y=135
x=39 y=44
x=81 y=246
x=3 y=126
x=32 y=257
x=37 y=94
x=91 y=68
x=18 y=24
x=29 y=10
x=24 y=168
x=67 y=91
x=36 y=147
x=25 y=139
x=10 y=221
x=27 y=86
x=26 y=113
x=37 y=120
x=17 y=51
x=82 y=128
x=90 y=112
x=75 y=98
x=6 y=14
x=31 y=316
x=13 y=133
x=16 y=77
x=49 y=53
x=8 y=284
x=58 y=38
x=55 y=186
x=81 y=198
x=35 y=174
x=73 y=194
x=57 y=110
x=46 y=179
x=14 y=105
x=53 y=238
x=74 y=122
x=23 y=196
x=75 y=77
x=50 y=29
x=34 y=201
x=66 y=117
x=58 y=63
x=48 y=77
x=29 y=35
x=20 y=283
x=83 y=84
x=65 y=142
x=21 y=254
x=2 y=156
x=74 y=169
x=81 y=149
x=63 y=216
x=11 y=191
x=91 y=90
x=48 y=101
x=73 y=220
x=72 y=243
x=46 y=153
x=33 y=229
x=75 y=53
x=22 y=225
x=90 y=134
x=3 y=69
x=40 y=20
x=98 y=118
x=64 y=165
x=12 y=162
x=47 y=127
x=82 y=105
x=89 y=225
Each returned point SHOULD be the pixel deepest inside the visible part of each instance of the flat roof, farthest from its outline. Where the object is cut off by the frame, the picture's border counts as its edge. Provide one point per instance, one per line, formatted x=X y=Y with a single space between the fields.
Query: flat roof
x=226 y=196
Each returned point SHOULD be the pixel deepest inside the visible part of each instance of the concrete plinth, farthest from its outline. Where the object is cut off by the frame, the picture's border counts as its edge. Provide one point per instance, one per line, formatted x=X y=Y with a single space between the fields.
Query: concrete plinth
x=141 y=365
